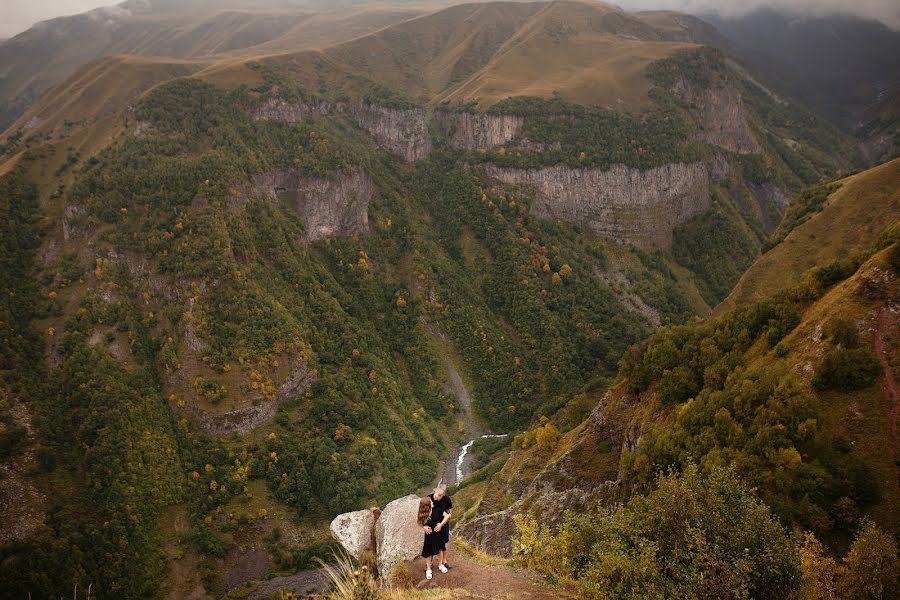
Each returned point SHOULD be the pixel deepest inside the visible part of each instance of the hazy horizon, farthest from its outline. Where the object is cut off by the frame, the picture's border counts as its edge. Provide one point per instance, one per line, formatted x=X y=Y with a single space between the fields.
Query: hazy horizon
x=20 y=15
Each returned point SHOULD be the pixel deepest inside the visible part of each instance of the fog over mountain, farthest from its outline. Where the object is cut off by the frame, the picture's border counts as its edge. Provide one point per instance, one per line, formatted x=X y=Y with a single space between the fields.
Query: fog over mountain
x=886 y=11
x=19 y=15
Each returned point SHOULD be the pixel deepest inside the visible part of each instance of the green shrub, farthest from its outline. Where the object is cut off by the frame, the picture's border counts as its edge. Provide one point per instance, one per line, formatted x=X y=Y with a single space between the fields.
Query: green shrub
x=847 y=369
x=694 y=536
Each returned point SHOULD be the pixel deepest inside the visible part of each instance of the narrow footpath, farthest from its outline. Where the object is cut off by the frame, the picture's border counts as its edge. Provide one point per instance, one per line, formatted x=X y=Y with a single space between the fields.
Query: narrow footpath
x=481 y=582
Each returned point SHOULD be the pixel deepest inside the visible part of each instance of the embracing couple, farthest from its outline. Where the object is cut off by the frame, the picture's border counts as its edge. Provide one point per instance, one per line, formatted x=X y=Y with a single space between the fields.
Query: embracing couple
x=434 y=518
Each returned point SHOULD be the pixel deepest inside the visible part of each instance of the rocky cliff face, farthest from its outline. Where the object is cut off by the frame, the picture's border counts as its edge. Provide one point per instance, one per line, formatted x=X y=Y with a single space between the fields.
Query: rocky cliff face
x=621 y=203
x=478 y=131
x=337 y=206
x=400 y=131
x=725 y=121
x=723 y=116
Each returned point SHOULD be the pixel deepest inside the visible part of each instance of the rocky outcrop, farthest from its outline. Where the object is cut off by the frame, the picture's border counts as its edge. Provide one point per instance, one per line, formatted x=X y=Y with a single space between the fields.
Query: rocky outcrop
x=277 y=109
x=723 y=116
x=355 y=531
x=393 y=533
x=335 y=206
x=725 y=120
x=397 y=534
x=400 y=131
x=561 y=484
x=71 y=215
x=719 y=168
x=244 y=420
x=478 y=131
x=621 y=203
x=493 y=533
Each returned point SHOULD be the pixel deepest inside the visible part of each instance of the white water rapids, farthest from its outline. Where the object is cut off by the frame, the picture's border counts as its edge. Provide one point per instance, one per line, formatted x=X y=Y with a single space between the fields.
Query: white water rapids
x=465 y=449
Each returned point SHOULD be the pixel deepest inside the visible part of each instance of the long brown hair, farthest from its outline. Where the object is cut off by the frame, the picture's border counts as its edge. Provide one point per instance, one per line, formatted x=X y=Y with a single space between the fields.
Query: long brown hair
x=424 y=511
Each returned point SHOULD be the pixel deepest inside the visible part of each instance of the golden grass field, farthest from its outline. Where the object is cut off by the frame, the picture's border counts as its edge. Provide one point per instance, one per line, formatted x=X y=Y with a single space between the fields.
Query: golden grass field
x=588 y=54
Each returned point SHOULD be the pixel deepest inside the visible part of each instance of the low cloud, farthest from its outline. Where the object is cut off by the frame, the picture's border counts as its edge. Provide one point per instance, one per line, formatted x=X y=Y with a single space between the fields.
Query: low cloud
x=886 y=11
x=18 y=15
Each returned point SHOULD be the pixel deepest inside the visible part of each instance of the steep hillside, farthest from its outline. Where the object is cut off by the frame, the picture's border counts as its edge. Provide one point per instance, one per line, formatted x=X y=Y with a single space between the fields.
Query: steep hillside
x=865 y=205
x=583 y=53
x=289 y=287
x=335 y=25
x=878 y=126
x=797 y=393
x=843 y=67
x=96 y=91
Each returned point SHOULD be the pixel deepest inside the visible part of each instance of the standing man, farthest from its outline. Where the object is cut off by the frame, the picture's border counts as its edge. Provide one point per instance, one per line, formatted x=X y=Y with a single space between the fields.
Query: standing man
x=442 y=501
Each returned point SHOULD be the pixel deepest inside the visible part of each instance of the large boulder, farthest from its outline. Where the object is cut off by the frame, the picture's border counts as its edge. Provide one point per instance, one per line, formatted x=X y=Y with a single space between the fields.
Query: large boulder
x=397 y=534
x=355 y=531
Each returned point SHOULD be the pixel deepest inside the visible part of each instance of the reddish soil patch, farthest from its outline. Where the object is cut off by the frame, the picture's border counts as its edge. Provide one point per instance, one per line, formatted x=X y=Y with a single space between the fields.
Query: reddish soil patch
x=886 y=323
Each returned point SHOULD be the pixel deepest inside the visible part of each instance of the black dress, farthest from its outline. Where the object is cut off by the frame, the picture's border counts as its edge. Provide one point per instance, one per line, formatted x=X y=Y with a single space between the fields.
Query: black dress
x=434 y=541
x=446 y=505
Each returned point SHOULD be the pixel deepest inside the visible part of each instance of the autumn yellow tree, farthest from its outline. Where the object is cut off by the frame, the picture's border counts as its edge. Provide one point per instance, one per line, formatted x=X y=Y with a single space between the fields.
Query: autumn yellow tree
x=872 y=567
x=818 y=571
x=547 y=436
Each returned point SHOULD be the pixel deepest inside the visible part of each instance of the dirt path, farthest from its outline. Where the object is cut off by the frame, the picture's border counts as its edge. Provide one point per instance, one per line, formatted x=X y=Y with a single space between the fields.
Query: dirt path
x=483 y=582
x=885 y=323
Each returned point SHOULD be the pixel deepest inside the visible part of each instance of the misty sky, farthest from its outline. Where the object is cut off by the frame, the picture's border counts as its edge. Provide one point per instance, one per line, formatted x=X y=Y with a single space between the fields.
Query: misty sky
x=19 y=15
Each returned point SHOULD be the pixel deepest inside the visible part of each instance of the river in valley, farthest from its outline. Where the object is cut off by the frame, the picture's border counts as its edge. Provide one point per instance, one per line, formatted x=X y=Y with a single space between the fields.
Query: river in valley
x=458 y=465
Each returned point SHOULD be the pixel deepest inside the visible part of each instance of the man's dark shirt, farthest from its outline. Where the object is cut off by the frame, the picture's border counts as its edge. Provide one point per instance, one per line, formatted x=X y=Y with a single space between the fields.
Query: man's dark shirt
x=445 y=505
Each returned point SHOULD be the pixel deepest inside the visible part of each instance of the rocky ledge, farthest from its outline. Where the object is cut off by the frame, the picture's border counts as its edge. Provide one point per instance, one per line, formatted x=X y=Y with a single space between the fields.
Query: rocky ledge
x=478 y=131
x=621 y=203
x=400 y=131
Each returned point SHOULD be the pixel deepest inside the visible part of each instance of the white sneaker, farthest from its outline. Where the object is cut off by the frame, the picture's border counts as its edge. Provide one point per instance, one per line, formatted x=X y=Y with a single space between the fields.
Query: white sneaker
x=427 y=573
x=442 y=568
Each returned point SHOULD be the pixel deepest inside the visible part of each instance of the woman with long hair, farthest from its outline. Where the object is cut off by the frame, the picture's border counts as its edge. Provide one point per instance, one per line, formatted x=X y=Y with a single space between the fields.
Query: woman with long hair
x=428 y=518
